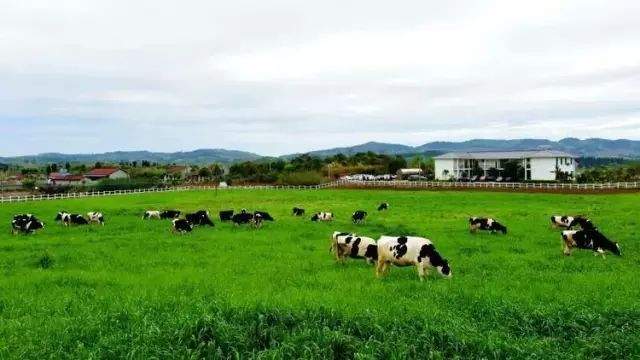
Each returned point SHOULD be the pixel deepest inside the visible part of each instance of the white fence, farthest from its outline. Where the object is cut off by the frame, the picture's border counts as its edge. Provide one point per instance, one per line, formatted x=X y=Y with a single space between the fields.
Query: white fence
x=345 y=183
x=74 y=195
x=487 y=185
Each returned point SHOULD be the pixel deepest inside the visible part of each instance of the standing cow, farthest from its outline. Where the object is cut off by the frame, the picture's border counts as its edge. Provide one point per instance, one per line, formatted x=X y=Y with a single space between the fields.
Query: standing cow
x=568 y=222
x=151 y=214
x=489 y=224
x=95 y=217
x=359 y=216
x=588 y=239
x=68 y=219
x=407 y=251
x=357 y=247
x=322 y=216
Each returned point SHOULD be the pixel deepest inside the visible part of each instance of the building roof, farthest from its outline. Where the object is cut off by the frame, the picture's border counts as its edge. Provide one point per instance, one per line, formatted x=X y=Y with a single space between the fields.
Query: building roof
x=101 y=172
x=497 y=155
x=175 y=169
x=65 y=177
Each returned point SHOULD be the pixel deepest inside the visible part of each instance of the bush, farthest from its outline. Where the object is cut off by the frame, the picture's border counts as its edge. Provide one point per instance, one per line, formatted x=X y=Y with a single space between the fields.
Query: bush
x=46 y=261
x=126 y=184
x=301 y=178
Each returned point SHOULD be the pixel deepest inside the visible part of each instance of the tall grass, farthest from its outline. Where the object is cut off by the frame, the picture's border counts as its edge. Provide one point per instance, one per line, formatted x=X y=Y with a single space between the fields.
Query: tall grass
x=133 y=289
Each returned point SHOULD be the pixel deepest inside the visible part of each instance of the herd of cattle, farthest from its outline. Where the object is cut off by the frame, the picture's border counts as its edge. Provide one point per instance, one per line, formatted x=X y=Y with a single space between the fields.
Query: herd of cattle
x=397 y=250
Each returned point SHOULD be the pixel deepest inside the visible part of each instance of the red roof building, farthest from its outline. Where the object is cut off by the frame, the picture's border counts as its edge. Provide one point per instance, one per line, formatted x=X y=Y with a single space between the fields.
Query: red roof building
x=106 y=173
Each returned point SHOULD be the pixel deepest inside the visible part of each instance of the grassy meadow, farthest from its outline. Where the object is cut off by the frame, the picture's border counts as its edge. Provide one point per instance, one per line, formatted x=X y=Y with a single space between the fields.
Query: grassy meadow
x=133 y=289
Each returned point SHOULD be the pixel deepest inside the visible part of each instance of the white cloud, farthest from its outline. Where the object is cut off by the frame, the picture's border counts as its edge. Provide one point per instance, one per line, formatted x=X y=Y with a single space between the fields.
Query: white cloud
x=283 y=76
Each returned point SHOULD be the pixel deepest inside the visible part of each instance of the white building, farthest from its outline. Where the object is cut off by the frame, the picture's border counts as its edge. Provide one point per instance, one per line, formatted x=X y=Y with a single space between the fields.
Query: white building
x=537 y=164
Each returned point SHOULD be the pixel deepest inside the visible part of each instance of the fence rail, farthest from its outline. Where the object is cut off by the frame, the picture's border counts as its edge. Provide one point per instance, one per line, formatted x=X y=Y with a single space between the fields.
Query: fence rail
x=404 y=184
x=343 y=183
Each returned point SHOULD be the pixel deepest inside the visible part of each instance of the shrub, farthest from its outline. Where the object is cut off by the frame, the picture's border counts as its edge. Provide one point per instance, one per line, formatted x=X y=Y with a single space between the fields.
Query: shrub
x=301 y=178
x=46 y=261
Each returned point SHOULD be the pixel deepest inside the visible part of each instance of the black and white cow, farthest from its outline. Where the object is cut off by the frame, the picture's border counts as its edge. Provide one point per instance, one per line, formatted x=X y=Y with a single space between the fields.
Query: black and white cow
x=298 y=211
x=200 y=217
x=383 y=206
x=588 y=239
x=225 y=215
x=257 y=219
x=489 y=224
x=562 y=221
x=407 y=251
x=95 y=217
x=264 y=215
x=182 y=225
x=359 y=216
x=322 y=216
x=242 y=218
x=169 y=214
x=151 y=214
x=585 y=224
x=25 y=223
x=358 y=247
x=70 y=219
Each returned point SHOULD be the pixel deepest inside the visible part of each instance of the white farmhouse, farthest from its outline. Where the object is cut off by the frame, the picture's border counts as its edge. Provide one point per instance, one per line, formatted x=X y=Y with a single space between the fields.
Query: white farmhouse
x=538 y=164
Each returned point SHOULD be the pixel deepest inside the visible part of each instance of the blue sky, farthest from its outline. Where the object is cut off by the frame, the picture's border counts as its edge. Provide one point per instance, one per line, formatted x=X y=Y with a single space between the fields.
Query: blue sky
x=277 y=77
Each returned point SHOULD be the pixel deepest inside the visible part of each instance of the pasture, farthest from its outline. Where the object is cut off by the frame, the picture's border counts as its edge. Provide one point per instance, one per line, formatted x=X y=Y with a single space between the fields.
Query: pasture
x=133 y=289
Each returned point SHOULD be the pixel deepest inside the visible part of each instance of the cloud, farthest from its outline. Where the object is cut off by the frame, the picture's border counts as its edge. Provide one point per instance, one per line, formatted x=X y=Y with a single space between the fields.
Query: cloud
x=284 y=76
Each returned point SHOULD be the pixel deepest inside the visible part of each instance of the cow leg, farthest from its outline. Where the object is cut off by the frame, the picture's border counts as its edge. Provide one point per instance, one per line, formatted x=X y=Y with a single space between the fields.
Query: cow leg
x=381 y=268
x=421 y=271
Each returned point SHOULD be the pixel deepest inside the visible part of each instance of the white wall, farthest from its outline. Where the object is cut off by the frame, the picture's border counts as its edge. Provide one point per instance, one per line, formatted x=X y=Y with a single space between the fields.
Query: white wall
x=119 y=175
x=545 y=168
x=440 y=166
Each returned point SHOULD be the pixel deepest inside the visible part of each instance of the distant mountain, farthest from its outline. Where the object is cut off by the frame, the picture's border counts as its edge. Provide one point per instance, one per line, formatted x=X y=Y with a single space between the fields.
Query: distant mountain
x=597 y=148
x=588 y=147
x=201 y=156
x=376 y=147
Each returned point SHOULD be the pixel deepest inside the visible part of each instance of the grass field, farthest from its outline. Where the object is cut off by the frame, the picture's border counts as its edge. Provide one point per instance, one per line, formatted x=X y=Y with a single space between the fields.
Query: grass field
x=133 y=289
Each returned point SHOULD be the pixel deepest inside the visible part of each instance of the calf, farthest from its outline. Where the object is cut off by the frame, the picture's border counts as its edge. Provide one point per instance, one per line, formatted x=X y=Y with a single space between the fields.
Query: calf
x=358 y=247
x=359 y=216
x=298 y=211
x=407 y=251
x=151 y=214
x=68 y=219
x=476 y=223
x=383 y=206
x=182 y=226
x=95 y=217
x=225 y=215
x=200 y=217
x=169 y=214
x=264 y=215
x=25 y=223
x=322 y=216
x=588 y=239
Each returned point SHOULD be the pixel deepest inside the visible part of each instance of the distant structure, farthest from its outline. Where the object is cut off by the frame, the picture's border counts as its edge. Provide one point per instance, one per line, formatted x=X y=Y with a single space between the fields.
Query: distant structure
x=106 y=173
x=406 y=173
x=177 y=172
x=64 y=178
x=536 y=164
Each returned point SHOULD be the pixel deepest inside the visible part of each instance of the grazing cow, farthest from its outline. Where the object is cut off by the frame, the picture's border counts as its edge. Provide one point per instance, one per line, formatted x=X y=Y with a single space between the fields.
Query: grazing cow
x=265 y=215
x=25 y=223
x=225 y=215
x=562 y=221
x=68 y=219
x=588 y=239
x=322 y=216
x=383 y=206
x=298 y=211
x=95 y=217
x=151 y=214
x=358 y=247
x=242 y=218
x=169 y=214
x=359 y=216
x=182 y=225
x=476 y=223
x=410 y=250
x=585 y=224
x=200 y=217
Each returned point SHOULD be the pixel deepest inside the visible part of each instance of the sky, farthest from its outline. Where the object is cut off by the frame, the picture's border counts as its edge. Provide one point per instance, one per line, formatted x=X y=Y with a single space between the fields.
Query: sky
x=277 y=77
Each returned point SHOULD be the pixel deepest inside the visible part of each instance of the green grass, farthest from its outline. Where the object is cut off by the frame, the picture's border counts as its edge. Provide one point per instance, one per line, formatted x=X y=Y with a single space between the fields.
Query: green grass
x=133 y=289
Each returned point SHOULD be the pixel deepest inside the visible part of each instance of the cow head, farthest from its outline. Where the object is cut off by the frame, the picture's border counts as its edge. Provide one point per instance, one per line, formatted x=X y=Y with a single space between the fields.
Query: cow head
x=445 y=270
x=315 y=217
x=59 y=216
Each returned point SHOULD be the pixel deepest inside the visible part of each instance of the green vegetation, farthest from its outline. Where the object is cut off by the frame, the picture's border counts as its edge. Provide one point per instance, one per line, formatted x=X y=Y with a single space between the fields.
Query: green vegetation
x=133 y=289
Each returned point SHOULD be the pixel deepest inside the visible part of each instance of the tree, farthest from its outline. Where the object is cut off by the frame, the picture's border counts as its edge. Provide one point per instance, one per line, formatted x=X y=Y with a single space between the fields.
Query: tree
x=204 y=172
x=98 y=164
x=67 y=166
